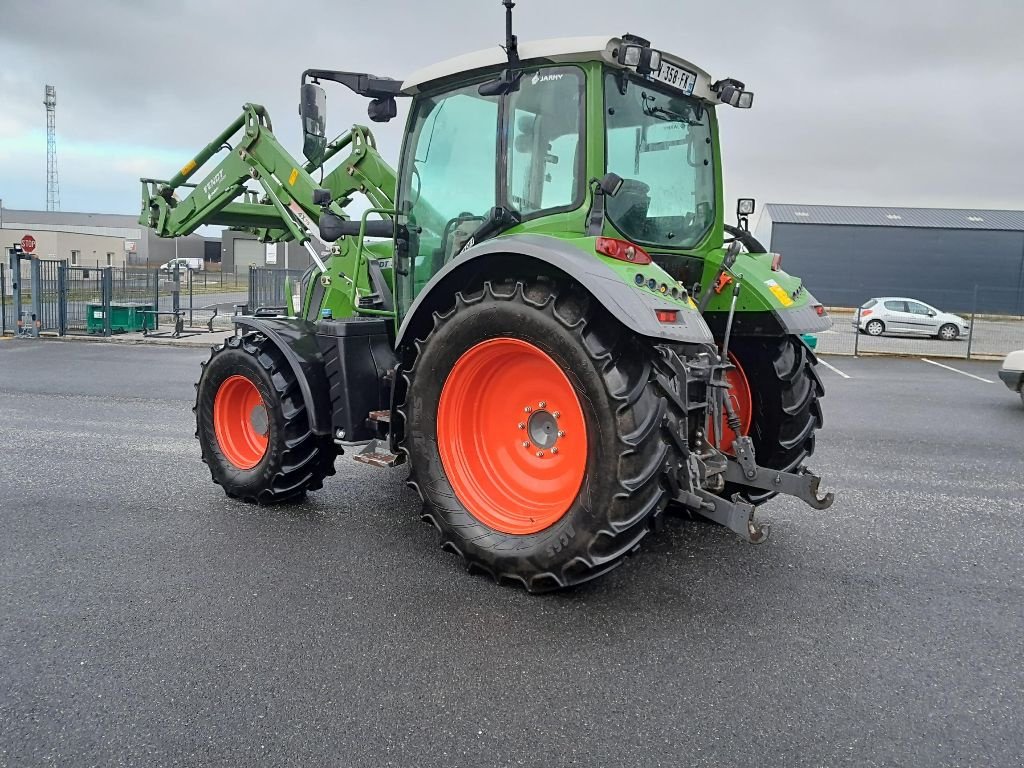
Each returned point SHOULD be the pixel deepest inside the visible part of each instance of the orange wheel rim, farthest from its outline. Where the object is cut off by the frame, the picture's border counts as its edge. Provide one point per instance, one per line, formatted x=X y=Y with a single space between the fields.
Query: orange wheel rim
x=512 y=436
x=240 y=422
x=742 y=402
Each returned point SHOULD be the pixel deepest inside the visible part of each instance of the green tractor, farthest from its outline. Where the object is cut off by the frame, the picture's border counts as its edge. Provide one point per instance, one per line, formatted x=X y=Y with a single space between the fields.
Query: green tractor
x=542 y=311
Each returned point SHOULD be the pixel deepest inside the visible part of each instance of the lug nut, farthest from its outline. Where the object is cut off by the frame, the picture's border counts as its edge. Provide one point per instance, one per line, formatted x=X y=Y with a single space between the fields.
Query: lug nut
x=522 y=425
x=540 y=454
x=561 y=433
x=542 y=404
x=557 y=414
x=526 y=443
x=554 y=449
x=527 y=409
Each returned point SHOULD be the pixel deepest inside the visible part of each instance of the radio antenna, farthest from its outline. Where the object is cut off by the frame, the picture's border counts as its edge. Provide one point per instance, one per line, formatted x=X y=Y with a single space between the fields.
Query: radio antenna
x=511 y=41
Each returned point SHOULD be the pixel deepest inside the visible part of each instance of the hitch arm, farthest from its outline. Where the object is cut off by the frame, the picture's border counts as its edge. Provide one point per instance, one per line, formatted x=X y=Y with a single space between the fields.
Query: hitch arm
x=802 y=484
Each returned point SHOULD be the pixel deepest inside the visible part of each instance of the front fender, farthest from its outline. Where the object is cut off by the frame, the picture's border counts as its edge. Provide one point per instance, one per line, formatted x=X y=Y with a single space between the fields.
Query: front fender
x=529 y=255
x=296 y=338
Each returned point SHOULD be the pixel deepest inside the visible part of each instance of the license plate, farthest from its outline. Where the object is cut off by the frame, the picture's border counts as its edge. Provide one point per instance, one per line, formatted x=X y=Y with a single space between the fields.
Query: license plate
x=676 y=77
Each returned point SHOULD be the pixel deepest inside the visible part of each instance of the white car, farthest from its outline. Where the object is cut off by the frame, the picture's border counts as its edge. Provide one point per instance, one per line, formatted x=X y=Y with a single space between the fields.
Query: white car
x=183 y=264
x=1012 y=372
x=902 y=316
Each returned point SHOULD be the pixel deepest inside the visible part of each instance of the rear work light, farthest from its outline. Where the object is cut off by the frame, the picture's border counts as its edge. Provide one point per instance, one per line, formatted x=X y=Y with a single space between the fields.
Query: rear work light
x=667 y=315
x=622 y=250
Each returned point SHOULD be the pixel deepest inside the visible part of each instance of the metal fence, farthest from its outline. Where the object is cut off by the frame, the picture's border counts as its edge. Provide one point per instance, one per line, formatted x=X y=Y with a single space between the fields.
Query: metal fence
x=989 y=335
x=269 y=287
x=65 y=299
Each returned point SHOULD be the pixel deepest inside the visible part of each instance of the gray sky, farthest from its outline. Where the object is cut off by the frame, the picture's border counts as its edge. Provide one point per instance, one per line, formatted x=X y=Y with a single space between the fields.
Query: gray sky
x=902 y=102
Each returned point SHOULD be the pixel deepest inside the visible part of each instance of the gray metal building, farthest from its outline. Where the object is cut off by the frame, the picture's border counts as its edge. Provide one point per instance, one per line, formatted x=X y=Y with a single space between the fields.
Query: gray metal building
x=241 y=250
x=955 y=259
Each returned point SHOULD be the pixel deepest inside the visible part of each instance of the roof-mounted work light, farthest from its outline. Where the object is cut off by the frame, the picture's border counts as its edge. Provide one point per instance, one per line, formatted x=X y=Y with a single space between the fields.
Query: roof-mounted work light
x=730 y=91
x=636 y=53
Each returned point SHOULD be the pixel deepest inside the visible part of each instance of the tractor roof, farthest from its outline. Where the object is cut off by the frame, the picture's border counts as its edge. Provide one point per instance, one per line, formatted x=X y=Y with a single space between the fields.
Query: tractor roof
x=562 y=49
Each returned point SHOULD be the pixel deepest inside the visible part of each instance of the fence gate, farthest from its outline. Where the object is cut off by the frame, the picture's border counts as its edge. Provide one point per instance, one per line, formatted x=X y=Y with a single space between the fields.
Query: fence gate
x=46 y=294
x=86 y=293
x=267 y=287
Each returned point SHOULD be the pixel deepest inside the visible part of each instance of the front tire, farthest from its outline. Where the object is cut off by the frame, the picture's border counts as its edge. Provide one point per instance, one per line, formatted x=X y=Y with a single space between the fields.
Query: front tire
x=253 y=427
x=949 y=332
x=543 y=521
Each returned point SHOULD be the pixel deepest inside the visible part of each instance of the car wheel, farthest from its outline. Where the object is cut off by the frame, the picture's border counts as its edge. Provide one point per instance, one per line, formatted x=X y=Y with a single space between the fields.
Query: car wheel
x=949 y=332
x=875 y=328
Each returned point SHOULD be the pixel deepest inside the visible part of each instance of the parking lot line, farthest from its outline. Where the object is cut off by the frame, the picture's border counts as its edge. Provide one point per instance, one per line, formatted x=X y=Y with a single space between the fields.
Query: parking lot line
x=834 y=369
x=957 y=370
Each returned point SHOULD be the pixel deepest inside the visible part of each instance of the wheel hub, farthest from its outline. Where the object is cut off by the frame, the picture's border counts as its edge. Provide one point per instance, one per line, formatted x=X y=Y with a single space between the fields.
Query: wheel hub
x=259 y=420
x=543 y=429
x=506 y=413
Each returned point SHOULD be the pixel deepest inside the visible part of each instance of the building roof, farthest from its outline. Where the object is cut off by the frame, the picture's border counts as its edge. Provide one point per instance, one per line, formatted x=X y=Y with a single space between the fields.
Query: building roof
x=929 y=218
x=103 y=224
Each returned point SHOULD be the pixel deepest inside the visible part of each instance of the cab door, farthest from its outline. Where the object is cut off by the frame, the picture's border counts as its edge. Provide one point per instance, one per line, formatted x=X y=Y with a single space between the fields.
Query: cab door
x=449 y=180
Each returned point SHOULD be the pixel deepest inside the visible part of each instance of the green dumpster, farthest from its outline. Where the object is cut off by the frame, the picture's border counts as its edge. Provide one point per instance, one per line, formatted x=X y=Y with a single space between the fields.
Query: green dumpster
x=125 y=316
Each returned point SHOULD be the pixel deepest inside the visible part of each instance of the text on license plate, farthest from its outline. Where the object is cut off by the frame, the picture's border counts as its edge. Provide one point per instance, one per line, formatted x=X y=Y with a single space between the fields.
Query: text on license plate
x=676 y=77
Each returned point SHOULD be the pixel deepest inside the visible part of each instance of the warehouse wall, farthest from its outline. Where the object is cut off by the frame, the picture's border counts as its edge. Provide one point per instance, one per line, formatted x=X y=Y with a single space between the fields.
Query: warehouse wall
x=846 y=265
x=239 y=250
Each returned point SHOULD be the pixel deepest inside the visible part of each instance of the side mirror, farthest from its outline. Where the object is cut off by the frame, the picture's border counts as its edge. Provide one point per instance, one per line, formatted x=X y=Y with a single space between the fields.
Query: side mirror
x=932 y=313
x=313 y=113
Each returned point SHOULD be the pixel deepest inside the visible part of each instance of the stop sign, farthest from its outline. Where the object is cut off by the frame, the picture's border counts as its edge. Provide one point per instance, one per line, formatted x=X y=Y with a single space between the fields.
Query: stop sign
x=28 y=243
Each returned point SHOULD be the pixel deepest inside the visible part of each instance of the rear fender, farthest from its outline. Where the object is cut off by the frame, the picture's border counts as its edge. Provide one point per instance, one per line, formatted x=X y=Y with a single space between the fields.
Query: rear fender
x=526 y=256
x=296 y=338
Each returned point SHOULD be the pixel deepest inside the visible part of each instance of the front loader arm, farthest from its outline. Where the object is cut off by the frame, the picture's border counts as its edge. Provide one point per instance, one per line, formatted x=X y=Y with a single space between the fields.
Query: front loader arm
x=287 y=185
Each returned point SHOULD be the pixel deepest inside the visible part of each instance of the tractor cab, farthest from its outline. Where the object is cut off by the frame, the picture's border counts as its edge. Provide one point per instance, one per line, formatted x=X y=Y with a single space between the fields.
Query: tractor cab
x=495 y=147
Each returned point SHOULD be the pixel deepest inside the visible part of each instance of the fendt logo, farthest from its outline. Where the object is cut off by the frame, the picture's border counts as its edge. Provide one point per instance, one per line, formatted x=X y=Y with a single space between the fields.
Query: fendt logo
x=210 y=186
x=539 y=78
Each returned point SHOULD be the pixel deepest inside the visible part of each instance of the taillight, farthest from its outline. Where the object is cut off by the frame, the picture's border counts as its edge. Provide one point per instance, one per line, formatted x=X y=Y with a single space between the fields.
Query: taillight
x=776 y=262
x=820 y=310
x=865 y=312
x=622 y=250
x=666 y=315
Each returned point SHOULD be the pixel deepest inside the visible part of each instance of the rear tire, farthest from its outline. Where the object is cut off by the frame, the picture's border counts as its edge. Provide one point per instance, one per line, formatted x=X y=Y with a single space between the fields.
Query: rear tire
x=621 y=491
x=785 y=390
x=293 y=459
x=874 y=328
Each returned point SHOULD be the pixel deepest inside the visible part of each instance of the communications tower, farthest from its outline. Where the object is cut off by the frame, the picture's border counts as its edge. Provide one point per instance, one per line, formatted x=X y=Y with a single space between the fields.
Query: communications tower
x=52 y=185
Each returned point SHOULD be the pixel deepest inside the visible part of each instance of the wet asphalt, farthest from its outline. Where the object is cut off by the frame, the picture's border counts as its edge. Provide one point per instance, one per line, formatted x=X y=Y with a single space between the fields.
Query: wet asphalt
x=145 y=619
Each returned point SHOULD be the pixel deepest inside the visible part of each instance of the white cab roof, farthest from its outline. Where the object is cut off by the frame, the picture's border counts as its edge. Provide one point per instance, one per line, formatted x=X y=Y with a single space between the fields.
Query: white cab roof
x=598 y=48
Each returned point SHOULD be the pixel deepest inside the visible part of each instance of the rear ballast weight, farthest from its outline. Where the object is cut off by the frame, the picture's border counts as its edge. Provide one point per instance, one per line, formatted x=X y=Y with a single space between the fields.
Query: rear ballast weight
x=556 y=357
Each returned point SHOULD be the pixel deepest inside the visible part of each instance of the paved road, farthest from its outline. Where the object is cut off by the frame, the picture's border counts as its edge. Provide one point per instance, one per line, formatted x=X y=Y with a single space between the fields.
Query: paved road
x=147 y=620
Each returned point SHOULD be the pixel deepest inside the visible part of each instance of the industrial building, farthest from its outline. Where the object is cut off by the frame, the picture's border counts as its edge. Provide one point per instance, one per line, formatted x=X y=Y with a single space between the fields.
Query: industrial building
x=93 y=239
x=110 y=239
x=956 y=259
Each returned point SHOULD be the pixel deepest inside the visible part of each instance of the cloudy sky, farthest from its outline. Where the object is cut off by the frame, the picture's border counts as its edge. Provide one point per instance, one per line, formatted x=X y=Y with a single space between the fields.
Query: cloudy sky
x=860 y=102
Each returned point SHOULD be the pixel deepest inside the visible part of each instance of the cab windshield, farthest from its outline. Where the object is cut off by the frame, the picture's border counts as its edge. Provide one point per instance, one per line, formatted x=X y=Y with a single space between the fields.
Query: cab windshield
x=659 y=142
